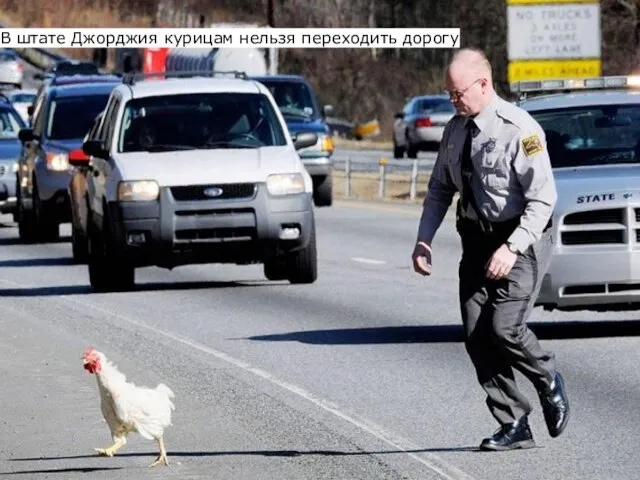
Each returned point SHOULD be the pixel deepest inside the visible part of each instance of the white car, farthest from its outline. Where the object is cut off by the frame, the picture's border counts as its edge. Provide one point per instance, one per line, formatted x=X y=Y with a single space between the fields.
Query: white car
x=197 y=170
x=420 y=124
x=11 y=68
x=21 y=100
x=592 y=133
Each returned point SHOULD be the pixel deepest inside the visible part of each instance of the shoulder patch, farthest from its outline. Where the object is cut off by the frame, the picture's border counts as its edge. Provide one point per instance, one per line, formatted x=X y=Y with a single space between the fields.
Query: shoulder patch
x=532 y=145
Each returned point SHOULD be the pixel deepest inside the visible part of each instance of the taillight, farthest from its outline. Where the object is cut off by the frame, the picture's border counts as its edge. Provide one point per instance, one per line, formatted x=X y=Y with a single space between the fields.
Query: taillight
x=424 y=122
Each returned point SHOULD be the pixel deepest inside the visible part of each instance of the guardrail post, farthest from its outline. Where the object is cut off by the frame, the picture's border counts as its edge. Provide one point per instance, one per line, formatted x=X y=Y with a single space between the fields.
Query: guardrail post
x=381 y=187
x=414 y=180
x=347 y=177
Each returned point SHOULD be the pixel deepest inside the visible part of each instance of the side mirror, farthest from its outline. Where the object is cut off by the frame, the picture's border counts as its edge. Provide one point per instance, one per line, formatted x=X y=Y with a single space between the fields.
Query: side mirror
x=304 y=140
x=94 y=148
x=77 y=158
x=30 y=110
x=328 y=110
x=399 y=115
x=25 y=135
x=38 y=76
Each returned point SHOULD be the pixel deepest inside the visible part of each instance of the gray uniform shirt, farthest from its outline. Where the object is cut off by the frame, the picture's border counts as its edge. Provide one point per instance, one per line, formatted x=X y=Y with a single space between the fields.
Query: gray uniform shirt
x=512 y=174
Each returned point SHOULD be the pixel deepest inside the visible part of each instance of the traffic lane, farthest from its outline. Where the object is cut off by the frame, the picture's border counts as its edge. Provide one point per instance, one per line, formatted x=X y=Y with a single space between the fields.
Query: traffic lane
x=371 y=340
x=223 y=423
x=227 y=420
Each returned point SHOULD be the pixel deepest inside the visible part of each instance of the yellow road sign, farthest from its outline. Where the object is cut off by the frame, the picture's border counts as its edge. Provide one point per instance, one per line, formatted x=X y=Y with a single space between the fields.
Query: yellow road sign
x=552 y=69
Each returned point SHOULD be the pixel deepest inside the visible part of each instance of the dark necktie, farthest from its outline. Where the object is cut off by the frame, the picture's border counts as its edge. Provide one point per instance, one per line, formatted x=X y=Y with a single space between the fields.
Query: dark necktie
x=467 y=168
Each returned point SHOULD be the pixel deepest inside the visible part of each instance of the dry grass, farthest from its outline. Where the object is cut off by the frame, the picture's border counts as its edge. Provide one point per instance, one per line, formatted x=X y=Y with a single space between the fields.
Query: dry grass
x=364 y=144
x=364 y=186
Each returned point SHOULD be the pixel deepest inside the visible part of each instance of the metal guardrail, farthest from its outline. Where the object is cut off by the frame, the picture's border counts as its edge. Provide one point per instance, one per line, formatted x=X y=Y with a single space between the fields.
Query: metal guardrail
x=388 y=170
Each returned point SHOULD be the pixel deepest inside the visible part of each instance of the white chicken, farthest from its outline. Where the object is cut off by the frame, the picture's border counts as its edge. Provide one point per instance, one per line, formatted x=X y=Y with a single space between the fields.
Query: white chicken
x=128 y=408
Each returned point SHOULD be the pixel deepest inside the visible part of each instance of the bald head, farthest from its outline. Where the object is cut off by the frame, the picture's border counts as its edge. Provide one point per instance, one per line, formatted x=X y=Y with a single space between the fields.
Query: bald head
x=469 y=81
x=470 y=62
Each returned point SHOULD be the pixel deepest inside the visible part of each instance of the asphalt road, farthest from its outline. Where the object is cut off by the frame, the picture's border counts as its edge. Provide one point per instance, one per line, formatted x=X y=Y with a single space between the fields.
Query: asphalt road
x=361 y=375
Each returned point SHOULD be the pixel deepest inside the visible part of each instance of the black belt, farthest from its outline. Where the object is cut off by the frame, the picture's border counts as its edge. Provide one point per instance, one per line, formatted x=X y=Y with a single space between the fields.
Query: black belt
x=485 y=226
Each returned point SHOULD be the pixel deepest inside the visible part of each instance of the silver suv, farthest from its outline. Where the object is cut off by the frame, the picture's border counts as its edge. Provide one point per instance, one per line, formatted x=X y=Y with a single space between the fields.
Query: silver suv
x=197 y=170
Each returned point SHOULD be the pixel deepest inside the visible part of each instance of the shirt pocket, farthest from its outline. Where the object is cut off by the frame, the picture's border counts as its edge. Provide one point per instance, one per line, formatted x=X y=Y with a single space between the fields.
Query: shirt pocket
x=494 y=169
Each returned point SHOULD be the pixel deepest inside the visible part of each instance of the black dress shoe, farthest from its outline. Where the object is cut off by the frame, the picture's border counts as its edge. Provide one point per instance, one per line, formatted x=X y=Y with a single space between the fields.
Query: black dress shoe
x=510 y=437
x=555 y=406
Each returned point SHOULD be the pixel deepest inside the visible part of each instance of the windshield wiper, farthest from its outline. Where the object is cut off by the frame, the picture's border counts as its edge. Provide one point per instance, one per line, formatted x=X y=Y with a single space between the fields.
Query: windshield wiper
x=168 y=148
x=225 y=144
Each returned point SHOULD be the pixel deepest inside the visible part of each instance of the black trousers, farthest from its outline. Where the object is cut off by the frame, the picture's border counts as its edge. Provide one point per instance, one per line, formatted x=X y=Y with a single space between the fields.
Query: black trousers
x=494 y=315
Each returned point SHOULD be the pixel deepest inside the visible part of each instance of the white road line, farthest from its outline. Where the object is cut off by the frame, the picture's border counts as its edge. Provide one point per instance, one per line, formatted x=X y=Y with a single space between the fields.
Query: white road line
x=368 y=260
x=433 y=462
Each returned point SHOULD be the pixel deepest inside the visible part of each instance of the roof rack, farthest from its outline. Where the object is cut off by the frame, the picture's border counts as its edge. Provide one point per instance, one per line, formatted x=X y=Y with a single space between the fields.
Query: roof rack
x=131 y=78
x=522 y=88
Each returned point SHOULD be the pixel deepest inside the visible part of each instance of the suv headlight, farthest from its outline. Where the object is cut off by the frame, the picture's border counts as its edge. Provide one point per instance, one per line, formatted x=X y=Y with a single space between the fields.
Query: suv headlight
x=138 y=191
x=285 y=184
x=58 y=162
x=14 y=167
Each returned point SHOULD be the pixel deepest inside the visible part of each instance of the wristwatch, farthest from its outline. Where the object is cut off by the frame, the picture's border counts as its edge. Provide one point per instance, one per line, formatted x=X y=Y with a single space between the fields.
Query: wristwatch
x=512 y=248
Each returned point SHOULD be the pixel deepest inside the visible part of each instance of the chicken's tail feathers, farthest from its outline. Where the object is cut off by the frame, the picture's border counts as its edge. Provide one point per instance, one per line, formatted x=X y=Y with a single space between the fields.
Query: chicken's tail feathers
x=166 y=390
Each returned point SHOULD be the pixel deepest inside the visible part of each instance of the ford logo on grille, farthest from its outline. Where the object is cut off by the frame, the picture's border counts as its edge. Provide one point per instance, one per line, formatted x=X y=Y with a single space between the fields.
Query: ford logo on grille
x=213 y=192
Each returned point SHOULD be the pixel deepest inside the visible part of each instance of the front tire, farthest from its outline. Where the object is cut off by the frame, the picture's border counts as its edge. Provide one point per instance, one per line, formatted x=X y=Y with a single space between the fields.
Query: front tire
x=302 y=265
x=323 y=192
x=107 y=272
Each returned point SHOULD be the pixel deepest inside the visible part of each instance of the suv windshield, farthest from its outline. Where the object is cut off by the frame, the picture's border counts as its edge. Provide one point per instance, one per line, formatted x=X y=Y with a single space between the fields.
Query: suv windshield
x=294 y=99
x=594 y=135
x=10 y=124
x=71 y=117
x=199 y=121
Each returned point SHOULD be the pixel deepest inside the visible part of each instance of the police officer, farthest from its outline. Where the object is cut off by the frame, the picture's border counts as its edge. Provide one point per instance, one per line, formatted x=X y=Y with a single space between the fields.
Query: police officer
x=494 y=154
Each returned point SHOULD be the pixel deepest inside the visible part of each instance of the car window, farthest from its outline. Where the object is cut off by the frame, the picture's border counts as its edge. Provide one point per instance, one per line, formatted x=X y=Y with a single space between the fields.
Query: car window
x=594 y=135
x=293 y=98
x=428 y=104
x=199 y=121
x=22 y=97
x=6 y=56
x=10 y=124
x=72 y=117
x=444 y=107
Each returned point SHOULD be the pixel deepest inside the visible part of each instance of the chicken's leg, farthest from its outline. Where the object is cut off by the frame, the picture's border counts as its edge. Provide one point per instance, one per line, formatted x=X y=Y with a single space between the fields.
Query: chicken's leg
x=162 y=458
x=110 y=451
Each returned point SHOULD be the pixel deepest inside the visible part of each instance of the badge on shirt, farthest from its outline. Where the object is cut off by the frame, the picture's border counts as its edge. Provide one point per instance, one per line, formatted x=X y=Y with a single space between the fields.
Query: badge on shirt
x=489 y=145
x=532 y=145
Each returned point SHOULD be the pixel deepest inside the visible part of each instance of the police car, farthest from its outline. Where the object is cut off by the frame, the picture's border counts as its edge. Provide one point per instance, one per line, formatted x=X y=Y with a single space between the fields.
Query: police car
x=197 y=170
x=592 y=129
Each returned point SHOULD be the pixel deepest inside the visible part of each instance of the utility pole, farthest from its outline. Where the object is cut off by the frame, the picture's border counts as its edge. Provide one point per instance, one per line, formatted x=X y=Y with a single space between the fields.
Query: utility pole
x=271 y=21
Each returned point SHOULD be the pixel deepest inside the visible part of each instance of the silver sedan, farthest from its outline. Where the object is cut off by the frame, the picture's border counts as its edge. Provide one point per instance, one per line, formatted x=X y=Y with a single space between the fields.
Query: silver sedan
x=419 y=126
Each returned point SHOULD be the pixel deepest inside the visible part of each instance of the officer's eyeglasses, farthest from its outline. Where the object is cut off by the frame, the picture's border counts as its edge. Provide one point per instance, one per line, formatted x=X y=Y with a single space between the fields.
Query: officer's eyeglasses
x=457 y=95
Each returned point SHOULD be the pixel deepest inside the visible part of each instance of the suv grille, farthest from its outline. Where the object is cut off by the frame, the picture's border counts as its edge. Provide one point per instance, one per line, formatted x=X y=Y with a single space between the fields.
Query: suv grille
x=612 y=215
x=595 y=227
x=229 y=191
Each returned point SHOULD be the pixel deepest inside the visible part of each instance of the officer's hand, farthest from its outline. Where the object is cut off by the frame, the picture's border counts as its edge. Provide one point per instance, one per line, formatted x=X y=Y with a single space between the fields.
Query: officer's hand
x=500 y=263
x=422 y=258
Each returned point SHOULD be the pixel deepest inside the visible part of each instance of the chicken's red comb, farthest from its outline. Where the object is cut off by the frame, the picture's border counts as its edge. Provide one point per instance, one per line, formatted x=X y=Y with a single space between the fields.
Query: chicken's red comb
x=88 y=351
